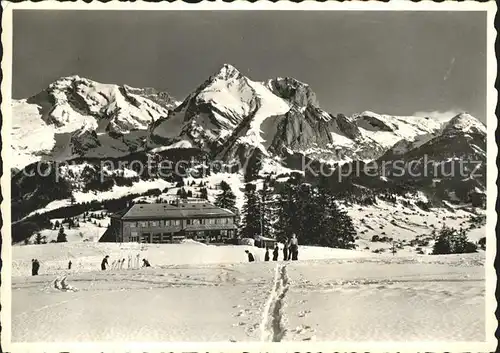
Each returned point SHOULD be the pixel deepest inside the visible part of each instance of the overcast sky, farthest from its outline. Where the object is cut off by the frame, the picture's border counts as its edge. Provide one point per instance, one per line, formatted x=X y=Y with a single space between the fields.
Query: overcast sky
x=387 y=62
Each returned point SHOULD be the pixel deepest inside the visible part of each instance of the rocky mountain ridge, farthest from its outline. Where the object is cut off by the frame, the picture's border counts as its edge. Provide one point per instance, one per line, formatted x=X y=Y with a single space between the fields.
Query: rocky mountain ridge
x=229 y=118
x=75 y=117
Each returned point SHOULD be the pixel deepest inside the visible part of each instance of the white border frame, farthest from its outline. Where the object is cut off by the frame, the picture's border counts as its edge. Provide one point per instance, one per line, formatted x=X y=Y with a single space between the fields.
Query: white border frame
x=492 y=150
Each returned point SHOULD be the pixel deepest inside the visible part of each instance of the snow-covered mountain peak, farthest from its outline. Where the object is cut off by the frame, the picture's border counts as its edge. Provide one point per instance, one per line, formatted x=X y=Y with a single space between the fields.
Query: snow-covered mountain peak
x=76 y=116
x=227 y=72
x=465 y=123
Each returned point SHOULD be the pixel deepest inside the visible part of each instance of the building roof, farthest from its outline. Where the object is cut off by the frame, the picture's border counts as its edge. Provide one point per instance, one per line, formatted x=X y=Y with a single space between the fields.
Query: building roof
x=169 y=211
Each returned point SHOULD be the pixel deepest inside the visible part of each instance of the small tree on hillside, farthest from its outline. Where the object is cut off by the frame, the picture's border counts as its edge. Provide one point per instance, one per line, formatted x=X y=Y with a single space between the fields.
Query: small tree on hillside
x=451 y=241
x=57 y=224
x=482 y=243
x=226 y=199
x=61 y=236
x=38 y=238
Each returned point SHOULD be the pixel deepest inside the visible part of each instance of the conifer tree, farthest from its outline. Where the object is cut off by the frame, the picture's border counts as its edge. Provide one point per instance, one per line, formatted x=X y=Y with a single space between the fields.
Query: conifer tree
x=284 y=226
x=251 y=216
x=61 y=236
x=267 y=210
x=312 y=214
x=226 y=199
x=204 y=193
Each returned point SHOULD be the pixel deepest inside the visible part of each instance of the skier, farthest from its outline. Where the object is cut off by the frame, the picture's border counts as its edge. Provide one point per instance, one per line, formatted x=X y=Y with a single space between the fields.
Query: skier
x=137 y=262
x=129 y=261
x=275 y=253
x=69 y=265
x=104 y=262
x=266 y=256
x=250 y=256
x=145 y=263
x=122 y=263
x=285 y=250
x=294 y=247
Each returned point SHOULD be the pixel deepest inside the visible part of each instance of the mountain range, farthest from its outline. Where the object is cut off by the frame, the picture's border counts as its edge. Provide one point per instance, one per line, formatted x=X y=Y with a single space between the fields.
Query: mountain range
x=227 y=118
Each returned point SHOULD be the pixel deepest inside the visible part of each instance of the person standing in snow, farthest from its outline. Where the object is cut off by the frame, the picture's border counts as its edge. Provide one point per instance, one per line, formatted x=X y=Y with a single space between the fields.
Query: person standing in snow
x=294 y=247
x=250 y=256
x=35 y=266
x=285 y=250
x=266 y=256
x=104 y=263
x=129 y=261
x=69 y=265
x=276 y=252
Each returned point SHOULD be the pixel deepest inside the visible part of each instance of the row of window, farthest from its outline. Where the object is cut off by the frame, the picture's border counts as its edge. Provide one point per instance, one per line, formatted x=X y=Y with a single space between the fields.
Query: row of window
x=177 y=222
x=209 y=221
x=166 y=237
x=155 y=237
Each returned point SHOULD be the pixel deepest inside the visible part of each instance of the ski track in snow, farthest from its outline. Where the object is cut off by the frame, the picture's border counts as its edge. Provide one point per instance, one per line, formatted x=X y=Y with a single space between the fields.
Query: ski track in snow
x=273 y=324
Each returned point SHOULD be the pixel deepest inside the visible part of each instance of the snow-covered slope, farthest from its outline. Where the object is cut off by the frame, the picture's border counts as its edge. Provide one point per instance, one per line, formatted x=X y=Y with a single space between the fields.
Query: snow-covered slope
x=387 y=130
x=76 y=116
x=464 y=123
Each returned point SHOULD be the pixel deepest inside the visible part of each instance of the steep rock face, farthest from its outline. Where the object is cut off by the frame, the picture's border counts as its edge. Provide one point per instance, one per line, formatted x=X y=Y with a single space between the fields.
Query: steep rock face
x=56 y=115
x=83 y=140
x=299 y=130
x=293 y=91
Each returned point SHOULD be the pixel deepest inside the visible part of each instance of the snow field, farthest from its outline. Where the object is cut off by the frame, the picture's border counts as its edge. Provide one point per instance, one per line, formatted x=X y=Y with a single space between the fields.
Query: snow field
x=391 y=301
x=87 y=257
x=345 y=298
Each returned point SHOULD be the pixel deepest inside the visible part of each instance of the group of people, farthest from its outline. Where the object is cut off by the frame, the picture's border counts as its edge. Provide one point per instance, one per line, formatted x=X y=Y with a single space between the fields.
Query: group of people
x=290 y=251
x=118 y=264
